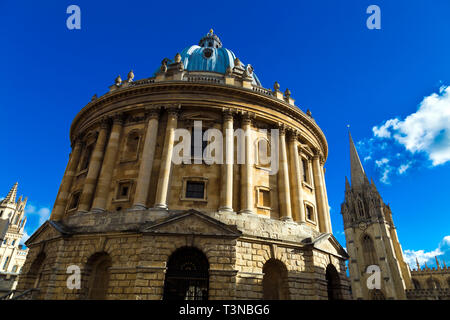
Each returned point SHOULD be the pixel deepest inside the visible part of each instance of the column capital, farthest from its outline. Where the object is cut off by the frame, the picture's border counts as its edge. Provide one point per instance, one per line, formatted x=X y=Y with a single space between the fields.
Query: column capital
x=247 y=117
x=173 y=109
x=118 y=118
x=227 y=114
x=104 y=123
x=282 y=128
x=293 y=135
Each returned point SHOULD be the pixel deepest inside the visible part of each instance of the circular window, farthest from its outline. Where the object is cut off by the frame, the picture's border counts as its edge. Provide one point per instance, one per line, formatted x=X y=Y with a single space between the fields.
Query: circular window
x=207 y=53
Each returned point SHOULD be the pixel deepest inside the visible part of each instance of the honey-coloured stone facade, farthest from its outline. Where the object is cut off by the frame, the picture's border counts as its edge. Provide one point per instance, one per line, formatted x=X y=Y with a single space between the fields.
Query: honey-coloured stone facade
x=135 y=222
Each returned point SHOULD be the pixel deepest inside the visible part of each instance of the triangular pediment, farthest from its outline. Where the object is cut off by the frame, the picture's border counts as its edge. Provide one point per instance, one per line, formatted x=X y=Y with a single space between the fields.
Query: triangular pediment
x=328 y=243
x=49 y=230
x=192 y=222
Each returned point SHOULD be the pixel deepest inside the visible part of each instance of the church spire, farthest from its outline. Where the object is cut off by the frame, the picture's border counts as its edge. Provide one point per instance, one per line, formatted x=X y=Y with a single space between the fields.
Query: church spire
x=358 y=177
x=11 y=197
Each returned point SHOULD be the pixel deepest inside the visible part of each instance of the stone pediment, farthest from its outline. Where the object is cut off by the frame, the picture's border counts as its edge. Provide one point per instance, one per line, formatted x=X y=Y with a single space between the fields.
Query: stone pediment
x=49 y=230
x=192 y=222
x=328 y=243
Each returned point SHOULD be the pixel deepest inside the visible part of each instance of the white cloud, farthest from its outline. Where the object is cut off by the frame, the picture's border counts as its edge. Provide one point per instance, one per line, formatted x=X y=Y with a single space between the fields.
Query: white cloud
x=367 y=158
x=402 y=169
x=24 y=237
x=427 y=130
x=423 y=256
x=381 y=162
x=43 y=213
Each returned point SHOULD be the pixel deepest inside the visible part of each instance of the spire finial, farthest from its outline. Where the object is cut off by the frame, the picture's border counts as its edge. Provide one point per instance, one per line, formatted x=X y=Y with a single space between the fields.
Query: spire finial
x=11 y=197
x=211 y=31
x=418 y=264
x=358 y=176
x=437 y=262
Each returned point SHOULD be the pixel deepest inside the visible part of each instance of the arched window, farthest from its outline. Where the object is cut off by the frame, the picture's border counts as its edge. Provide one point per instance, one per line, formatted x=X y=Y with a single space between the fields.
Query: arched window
x=187 y=275
x=263 y=152
x=361 y=210
x=433 y=284
x=131 y=146
x=377 y=294
x=97 y=270
x=333 y=283
x=14 y=269
x=368 y=248
x=86 y=157
x=275 y=281
x=416 y=284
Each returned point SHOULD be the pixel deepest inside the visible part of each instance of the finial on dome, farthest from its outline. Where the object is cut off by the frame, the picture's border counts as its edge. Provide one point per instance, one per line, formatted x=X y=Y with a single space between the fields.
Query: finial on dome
x=276 y=86
x=130 y=76
x=118 y=80
x=177 y=58
x=211 y=31
x=287 y=93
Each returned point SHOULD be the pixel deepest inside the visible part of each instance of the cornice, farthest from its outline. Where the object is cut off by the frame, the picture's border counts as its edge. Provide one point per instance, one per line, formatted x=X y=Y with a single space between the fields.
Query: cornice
x=251 y=95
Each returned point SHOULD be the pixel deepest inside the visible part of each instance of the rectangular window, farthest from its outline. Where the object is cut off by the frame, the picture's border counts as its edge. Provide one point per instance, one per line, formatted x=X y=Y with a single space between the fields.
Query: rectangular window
x=195 y=189
x=123 y=190
x=6 y=263
x=87 y=157
x=309 y=213
x=305 y=170
x=74 y=200
x=264 y=198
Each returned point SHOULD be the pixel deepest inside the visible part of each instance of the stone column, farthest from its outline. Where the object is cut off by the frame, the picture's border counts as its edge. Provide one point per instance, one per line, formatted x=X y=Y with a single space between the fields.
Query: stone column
x=66 y=183
x=166 y=161
x=284 y=192
x=247 y=192
x=94 y=169
x=319 y=192
x=145 y=168
x=298 y=208
x=327 y=217
x=104 y=181
x=226 y=192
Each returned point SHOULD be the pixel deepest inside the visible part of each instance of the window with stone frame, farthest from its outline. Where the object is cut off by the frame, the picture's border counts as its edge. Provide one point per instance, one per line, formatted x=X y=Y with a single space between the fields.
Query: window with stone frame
x=369 y=253
x=200 y=143
x=84 y=164
x=195 y=189
x=123 y=190
x=74 y=200
x=310 y=212
x=264 y=198
x=305 y=171
x=130 y=152
x=263 y=152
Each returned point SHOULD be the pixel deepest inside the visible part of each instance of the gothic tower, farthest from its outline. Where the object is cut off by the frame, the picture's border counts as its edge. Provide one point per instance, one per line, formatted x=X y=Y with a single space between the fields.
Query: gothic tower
x=371 y=238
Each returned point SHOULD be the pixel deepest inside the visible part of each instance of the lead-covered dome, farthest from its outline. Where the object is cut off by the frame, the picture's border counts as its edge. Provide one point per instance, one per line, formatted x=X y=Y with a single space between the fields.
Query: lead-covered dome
x=210 y=56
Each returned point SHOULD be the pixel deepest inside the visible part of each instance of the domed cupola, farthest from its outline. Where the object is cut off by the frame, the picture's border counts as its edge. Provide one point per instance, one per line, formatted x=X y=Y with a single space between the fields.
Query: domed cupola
x=210 y=56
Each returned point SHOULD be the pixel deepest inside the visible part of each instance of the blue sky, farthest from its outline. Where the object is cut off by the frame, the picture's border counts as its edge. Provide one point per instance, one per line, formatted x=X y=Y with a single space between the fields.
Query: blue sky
x=390 y=85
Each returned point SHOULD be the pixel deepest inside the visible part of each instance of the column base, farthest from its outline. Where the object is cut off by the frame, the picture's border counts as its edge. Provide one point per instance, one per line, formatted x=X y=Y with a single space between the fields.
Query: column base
x=97 y=210
x=160 y=206
x=286 y=219
x=226 y=209
x=247 y=211
x=138 y=207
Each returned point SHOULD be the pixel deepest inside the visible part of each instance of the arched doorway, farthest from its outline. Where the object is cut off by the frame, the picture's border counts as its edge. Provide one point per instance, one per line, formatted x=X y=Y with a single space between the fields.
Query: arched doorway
x=275 y=281
x=187 y=275
x=333 y=283
x=35 y=273
x=97 y=271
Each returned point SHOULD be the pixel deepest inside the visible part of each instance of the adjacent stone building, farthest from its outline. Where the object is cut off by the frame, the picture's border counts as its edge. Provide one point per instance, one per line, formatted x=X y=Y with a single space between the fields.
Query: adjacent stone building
x=139 y=225
x=372 y=240
x=12 y=253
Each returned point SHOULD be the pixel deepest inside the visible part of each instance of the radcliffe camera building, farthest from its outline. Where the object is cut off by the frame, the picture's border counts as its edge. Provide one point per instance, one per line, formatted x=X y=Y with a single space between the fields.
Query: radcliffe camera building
x=141 y=227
